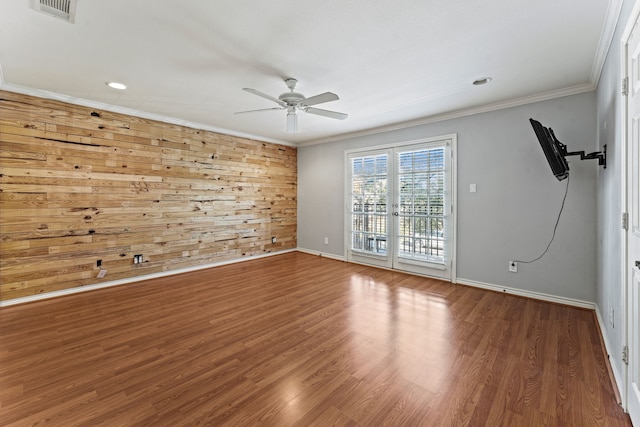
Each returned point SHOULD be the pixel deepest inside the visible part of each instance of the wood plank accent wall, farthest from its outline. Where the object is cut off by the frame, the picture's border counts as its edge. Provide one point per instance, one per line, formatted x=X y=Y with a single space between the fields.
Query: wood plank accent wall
x=78 y=185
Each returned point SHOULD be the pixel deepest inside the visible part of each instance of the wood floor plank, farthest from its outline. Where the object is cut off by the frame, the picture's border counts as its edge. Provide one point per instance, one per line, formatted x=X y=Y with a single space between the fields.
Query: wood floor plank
x=301 y=340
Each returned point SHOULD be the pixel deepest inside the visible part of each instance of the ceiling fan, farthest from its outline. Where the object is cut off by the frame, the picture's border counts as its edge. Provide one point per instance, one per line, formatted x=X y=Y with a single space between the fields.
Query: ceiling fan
x=294 y=101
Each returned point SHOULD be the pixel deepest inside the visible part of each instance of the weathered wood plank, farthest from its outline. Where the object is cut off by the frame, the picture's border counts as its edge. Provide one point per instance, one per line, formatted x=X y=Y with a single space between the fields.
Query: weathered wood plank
x=78 y=184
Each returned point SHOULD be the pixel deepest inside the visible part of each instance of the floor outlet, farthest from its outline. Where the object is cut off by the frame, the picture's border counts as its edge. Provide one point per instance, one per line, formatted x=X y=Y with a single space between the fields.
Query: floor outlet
x=513 y=266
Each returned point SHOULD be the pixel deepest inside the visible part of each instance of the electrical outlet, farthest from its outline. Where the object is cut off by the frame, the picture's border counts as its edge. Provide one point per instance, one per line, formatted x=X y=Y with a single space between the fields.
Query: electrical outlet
x=101 y=273
x=99 y=263
x=326 y=240
x=513 y=266
x=274 y=239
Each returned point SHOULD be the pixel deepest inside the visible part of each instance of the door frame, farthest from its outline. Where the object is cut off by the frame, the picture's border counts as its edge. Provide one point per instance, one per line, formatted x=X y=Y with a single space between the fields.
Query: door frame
x=625 y=179
x=453 y=139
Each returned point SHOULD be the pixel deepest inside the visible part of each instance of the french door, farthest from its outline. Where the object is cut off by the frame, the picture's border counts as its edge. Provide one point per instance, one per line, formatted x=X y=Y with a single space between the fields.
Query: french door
x=400 y=207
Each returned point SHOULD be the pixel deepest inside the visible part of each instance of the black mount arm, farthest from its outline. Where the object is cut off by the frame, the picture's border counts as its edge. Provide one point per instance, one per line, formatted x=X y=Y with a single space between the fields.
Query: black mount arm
x=600 y=155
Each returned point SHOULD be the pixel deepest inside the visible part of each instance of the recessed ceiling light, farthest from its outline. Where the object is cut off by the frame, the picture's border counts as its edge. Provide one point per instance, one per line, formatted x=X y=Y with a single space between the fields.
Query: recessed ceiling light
x=482 y=81
x=116 y=85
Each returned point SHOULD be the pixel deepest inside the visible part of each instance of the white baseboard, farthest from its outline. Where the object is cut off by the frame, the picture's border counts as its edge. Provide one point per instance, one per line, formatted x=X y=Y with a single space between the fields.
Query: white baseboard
x=93 y=287
x=322 y=254
x=615 y=368
x=617 y=373
x=529 y=294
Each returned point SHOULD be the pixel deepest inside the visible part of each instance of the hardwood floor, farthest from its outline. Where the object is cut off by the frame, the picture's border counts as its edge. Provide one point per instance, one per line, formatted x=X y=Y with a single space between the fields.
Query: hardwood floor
x=300 y=340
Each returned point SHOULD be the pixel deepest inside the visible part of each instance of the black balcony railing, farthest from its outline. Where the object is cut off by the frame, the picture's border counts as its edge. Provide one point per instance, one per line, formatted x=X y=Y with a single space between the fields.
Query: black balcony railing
x=420 y=235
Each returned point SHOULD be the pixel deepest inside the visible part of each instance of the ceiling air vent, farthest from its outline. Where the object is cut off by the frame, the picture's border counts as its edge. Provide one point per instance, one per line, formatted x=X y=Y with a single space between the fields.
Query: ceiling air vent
x=63 y=9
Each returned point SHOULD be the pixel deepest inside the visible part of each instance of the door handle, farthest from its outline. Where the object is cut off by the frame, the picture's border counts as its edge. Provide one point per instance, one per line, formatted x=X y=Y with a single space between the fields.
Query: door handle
x=638 y=264
x=396 y=214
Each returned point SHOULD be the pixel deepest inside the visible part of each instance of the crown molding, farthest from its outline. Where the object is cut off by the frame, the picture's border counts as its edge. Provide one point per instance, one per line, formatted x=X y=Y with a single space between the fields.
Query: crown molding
x=572 y=90
x=39 y=93
x=606 y=38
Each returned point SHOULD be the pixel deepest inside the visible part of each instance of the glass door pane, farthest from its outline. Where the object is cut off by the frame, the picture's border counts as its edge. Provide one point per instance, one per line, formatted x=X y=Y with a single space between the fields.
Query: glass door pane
x=369 y=207
x=421 y=241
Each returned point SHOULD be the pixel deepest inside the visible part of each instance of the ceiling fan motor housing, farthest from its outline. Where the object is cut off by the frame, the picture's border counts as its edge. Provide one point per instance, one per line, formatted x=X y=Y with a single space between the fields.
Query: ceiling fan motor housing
x=291 y=98
x=294 y=101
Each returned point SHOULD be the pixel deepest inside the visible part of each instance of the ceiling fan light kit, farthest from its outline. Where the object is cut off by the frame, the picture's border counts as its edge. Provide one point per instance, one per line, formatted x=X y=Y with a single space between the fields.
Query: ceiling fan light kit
x=293 y=101
x=292 y=121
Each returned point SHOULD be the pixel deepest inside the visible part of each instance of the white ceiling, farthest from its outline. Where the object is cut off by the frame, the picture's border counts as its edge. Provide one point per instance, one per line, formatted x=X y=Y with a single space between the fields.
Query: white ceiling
x=391 y=62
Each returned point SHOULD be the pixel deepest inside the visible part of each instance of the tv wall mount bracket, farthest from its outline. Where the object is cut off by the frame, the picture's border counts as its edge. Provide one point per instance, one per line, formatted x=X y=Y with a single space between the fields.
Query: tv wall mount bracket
x=600 y=155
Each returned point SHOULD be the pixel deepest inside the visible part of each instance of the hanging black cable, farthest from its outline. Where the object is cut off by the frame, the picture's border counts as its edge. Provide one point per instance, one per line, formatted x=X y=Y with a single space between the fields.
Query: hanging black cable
x=566 y=191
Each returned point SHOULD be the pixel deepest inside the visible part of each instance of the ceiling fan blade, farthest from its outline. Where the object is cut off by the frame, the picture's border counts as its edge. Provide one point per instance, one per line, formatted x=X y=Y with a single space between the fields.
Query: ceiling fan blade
x=255 y=111
x=264 y=95
x=319 y=99
x=292 y=122
x=327 y=113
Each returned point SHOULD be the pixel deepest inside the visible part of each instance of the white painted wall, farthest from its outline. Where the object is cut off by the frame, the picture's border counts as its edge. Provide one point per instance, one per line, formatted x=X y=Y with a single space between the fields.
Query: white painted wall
x=513 y=212
x=609 y=284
